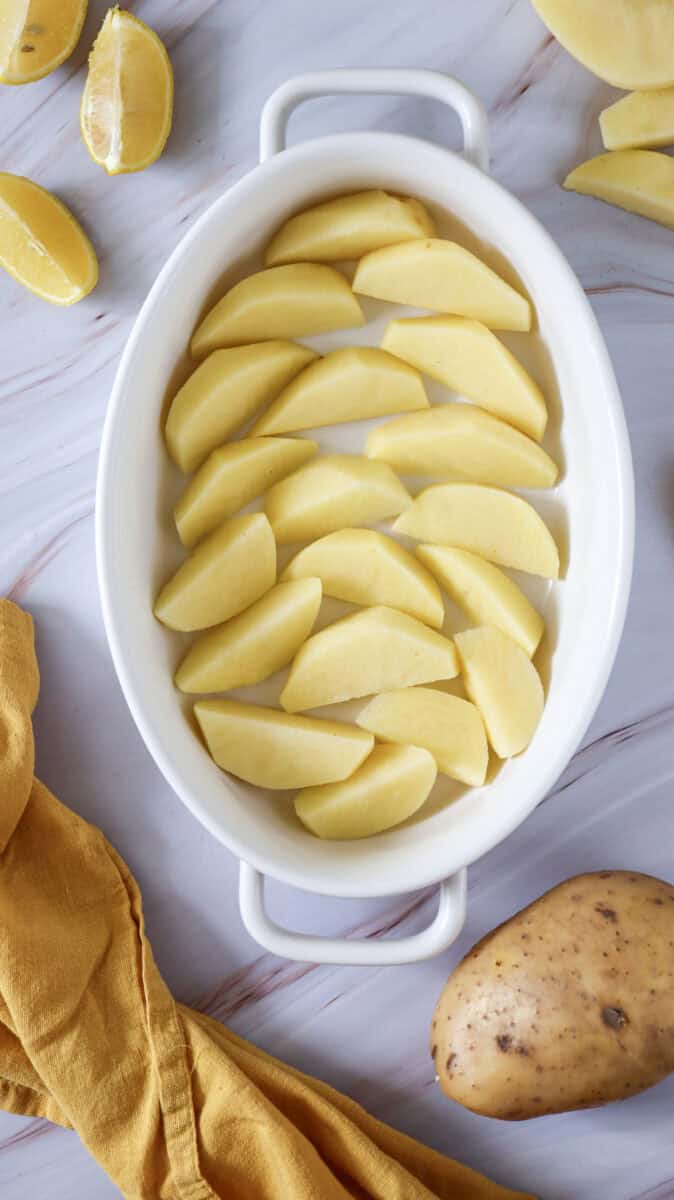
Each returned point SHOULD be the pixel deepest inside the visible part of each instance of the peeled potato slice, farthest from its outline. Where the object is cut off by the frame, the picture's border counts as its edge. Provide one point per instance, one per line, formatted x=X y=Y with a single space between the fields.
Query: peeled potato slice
x=330 y=493
x=231 y=477
x=370 y=651
x=224 y=392
x=487 y=595
x=42 y=246
x=626 y=42
x=505 y=686
x=351 y=384
x=365 y=567
x=282 y=302
x=642 y=181
x=273 y=750
x=391 y=785
x=254 y=645
x=348 y=227
x=451 y=729
x=469 y=358
x=485 y=520
x=229 y=569
x=460 y=439
x=433 y=273
x=639 y=120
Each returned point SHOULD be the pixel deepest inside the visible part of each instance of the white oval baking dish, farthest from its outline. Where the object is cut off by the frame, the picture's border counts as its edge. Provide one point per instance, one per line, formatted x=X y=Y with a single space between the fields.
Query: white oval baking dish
x=592 y=512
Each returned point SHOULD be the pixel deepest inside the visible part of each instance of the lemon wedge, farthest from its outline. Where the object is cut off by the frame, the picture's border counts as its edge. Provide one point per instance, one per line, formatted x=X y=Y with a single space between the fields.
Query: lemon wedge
x=41 y=243
x=127 y=104
x=36 y=36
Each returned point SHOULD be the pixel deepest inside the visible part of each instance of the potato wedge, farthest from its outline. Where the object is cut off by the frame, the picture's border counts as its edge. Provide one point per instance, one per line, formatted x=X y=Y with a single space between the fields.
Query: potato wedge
x=230 y=569
x=445 y=277
x=224 y=392
x=371 y=651
x=485 y=520
x=470 y=359
x=274 y=750
x=334 y=491
x=641 y=181
x=393 y=782
x=565 y=1006
x=348 y=227
x=639 y=120
x=282 y=302
x=233 y=476
x=487 y=595
x=628 y=42
x=504 y=685
x=450 y=728
x=351 y=384
x=365 y=567
x=251 y=647
x=462 y=440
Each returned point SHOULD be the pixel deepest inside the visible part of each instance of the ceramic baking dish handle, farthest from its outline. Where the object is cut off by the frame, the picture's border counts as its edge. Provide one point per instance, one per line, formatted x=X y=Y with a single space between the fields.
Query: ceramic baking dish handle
x=384 y=81
x=368 y=952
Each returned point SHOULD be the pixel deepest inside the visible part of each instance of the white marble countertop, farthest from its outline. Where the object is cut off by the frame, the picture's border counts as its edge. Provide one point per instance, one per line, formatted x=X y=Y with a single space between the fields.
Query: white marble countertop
x=614 y=805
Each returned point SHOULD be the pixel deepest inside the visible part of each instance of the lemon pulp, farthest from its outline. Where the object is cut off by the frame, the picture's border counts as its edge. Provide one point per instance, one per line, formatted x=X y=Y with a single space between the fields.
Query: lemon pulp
x=42 y=245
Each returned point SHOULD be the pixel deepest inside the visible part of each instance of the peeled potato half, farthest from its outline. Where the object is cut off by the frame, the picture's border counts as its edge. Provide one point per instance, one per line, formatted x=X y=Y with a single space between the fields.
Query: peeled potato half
x=450 y=728
x=639 y=120
x=485 y=520
x=371 y=651
x=641 y=181
x=274 y=750
x=463 y=440
x=470 y=359
x=626 y=42
x=393 y=782
x=365 y=567
x=350 y=384
x=504 y=685
x=443 y=276
x=282 y=302
x=348 y=227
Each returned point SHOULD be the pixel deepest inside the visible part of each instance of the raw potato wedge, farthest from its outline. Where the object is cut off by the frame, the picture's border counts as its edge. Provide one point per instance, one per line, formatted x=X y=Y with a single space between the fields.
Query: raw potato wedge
x=233 y=476
x=224 y=392
x=443 y=276
x=348 y=227
x=485 y=520
x=487 y=595
x=391 y=785
x=351 y=384
x=462 y=440
x=36 y=36
x=626 y=42
x=470 y=359
x=368 y=568
x=273 y=750
x=330 y=493
x=230 y=569
x=42 y=246
x=641 y=181
x=254 y=645
x=370 y=651
x=450 y=728
x=504 y=685
x=641 y=119
x=282 y=302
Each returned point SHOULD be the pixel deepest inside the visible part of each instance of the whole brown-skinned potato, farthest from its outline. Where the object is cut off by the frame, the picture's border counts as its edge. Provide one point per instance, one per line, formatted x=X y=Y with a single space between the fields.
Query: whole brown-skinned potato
x=569 y=1004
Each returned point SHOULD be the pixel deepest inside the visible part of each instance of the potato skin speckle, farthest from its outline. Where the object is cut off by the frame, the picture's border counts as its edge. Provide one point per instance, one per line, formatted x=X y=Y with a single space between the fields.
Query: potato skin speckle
x=584 y=1017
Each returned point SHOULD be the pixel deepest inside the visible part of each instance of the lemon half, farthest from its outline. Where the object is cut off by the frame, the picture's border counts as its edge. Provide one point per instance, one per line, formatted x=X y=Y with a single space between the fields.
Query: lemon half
x=41 y=243
x=127 y=106
x=36 y=36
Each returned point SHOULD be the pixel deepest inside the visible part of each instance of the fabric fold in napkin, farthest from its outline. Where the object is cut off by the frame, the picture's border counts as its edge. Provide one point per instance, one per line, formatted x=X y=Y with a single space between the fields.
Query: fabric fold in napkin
x=171 y=1104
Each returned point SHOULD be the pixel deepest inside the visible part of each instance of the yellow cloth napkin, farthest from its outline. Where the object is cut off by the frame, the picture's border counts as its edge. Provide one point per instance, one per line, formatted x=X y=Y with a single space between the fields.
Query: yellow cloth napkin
x=170 y=1103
